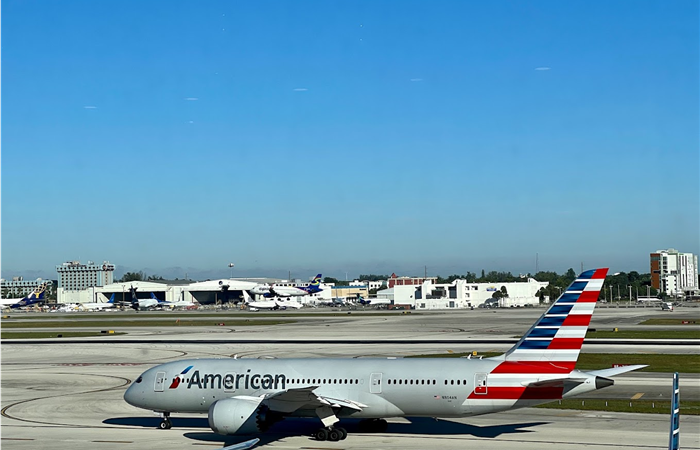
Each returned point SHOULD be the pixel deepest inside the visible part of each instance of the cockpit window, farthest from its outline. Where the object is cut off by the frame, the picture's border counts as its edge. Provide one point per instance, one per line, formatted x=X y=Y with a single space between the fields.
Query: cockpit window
x=139 y=379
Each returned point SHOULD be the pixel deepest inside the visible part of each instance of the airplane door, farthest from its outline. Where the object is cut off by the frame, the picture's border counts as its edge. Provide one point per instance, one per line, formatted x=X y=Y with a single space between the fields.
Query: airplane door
x=480 y=383
x=375 y=383
x=160 y=382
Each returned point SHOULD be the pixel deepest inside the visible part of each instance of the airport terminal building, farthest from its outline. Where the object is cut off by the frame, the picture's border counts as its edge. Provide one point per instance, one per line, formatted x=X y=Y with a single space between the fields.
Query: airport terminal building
x=463 y=294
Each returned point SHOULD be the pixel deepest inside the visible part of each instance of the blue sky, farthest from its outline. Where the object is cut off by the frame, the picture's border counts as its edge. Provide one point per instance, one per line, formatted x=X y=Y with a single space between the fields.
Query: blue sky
x=358 y=137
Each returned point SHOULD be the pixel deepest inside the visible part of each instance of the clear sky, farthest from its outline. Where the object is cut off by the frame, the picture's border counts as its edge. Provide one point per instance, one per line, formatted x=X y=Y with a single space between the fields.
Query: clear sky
x=359 y=136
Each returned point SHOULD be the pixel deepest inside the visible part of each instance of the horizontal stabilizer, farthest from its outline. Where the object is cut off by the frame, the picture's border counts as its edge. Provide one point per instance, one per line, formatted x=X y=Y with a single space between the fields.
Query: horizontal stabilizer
x=616 y=370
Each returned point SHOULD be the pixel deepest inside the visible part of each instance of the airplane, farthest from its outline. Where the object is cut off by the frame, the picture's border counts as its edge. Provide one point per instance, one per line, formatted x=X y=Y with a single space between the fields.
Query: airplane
x=269 y=304
x=99 y=306
x=372 y=301
x=144 y=303
x=177 y=304
x=243 y=396
x=37 y=296
x=288 y=291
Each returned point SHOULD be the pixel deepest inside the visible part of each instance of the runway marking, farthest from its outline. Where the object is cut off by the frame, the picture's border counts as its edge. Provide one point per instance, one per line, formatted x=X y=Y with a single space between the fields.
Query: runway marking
x=116 y=442
x=4 y=411
x=637 y=396
x=17 y=439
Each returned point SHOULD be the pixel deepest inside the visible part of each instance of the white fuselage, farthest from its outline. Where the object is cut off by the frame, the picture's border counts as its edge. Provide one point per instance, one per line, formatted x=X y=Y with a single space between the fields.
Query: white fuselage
x=386 y=387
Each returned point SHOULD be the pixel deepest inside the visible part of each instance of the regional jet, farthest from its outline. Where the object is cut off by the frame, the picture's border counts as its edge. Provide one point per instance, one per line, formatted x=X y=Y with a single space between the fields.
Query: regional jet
x=98 y=306
x=276 y=303
x=37 y=296
x=288 y=291
x=144 y=303
x=243 y=396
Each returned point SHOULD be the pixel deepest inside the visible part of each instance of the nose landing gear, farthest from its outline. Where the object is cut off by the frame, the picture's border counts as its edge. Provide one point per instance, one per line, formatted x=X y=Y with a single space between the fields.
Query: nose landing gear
x=165 y=424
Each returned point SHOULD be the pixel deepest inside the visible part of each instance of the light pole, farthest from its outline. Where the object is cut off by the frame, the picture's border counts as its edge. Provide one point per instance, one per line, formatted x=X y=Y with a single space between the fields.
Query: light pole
x=611 y=297
x=231 y=267
x=630 y=289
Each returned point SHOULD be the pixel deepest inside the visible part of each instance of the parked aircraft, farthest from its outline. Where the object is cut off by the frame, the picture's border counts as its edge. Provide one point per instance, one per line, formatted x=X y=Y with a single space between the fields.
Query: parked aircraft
x=288 y=291
x=249 y=395
x=36 y=297
x=275 y=303
x=99 y=306
x=144 y=303
x=179 y=304
x=373 y=301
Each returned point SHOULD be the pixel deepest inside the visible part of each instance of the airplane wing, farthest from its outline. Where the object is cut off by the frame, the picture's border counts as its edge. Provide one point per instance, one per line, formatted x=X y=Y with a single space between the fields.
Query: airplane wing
x=290 y=400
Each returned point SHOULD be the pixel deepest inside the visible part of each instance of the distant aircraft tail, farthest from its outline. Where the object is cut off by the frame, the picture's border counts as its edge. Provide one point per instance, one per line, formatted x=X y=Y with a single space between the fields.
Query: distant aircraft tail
x=37 y=296
x=553 y=343
x=111 y=299
x=315 y=285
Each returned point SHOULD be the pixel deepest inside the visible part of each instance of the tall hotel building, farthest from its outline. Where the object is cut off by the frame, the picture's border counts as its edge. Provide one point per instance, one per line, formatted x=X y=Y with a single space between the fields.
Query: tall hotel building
x=76 y=279
x=674 y=273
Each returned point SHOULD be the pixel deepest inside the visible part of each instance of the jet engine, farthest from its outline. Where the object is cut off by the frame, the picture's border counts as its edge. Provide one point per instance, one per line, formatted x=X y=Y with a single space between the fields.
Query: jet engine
x=237 y=415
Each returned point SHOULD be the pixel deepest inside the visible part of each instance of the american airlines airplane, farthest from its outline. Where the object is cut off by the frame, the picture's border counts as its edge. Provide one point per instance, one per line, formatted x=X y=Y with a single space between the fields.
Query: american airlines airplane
x=243 y=396
x=288 y=291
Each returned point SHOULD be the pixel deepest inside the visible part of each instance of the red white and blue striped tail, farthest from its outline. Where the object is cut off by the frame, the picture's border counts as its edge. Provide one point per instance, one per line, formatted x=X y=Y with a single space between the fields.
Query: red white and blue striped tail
x=553 y=344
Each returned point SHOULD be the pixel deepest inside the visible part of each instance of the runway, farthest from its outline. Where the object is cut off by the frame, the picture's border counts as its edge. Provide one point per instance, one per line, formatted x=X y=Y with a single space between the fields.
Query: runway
x=70 y=396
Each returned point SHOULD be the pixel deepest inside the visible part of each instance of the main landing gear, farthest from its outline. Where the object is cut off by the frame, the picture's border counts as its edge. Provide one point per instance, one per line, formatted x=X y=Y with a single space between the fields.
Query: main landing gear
x=165 y=424
x=332 y=434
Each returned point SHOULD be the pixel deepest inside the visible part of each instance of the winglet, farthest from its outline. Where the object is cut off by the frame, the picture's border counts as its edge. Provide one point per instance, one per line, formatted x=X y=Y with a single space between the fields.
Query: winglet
x=243 y=445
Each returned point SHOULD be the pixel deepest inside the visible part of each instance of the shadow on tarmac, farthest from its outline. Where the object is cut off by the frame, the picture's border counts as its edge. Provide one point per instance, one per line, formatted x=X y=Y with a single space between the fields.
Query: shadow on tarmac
x=306 y=427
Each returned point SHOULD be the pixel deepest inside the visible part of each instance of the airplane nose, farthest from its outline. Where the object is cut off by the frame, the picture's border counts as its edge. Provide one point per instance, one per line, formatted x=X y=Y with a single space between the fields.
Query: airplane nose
x=134 y=393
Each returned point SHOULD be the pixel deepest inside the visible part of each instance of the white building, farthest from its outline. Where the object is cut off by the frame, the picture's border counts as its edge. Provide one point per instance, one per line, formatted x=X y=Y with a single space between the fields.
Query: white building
x=674 y=273
x=462 y=294
x=77 y=282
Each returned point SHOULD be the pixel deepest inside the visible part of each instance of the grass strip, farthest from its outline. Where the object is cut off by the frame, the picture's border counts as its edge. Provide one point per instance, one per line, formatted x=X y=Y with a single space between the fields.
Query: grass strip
x=644 y=334
x=145 y=323
x=86 y=315
x=593 y=361
x=51 y=334
x=634 y=406
x=691 y=321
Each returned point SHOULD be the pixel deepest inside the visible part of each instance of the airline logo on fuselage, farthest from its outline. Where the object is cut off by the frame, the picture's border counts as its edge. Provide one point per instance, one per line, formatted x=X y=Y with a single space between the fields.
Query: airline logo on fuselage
x=235 y=381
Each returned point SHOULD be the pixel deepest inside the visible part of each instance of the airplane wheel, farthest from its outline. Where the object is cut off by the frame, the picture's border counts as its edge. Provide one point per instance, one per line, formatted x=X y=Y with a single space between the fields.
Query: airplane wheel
x=322 y=434
x=165 y=425
x=343 y=433
x=381 y=425
x=334 y=435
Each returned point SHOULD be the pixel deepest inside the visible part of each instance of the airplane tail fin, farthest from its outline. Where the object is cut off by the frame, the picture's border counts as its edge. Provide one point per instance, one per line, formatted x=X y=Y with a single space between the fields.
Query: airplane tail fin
x=315 y=284
x=111 y=299
x=246 y=297
x=36 y=296
x=38 y=293
x=553 y=343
